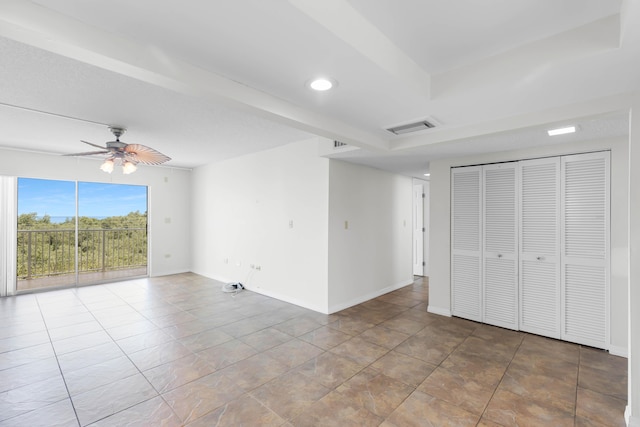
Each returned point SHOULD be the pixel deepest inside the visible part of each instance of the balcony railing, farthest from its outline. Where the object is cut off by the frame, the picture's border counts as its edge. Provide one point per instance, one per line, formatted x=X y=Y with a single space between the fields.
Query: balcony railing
x=43 y=253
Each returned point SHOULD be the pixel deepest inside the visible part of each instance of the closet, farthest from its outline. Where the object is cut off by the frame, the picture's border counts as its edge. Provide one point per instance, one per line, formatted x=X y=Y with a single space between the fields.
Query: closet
x=530 y=246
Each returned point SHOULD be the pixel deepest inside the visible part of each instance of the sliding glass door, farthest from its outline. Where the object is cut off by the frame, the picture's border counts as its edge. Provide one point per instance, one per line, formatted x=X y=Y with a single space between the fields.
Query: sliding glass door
x=79 y=233
x=112 y=231
x=46 y=233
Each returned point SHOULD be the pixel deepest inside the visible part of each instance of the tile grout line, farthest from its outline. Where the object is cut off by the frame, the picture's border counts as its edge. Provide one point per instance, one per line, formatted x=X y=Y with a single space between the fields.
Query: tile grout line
x=55 y=353
x=113 y=340
x=575 y=406
x=126 y=354
x=123 y=352
x=436 y=367
x=335 y=389
x=502 y=378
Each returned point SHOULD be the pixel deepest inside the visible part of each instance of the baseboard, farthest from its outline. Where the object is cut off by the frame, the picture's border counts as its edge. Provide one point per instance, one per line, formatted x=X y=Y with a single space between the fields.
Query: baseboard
x=288 y=299
x=439 y=310
x=631 y=421
x=366 y=297
x=219 y=278
x=618 y=351
x=320 y=309
x=215 y=277
x=168 y=273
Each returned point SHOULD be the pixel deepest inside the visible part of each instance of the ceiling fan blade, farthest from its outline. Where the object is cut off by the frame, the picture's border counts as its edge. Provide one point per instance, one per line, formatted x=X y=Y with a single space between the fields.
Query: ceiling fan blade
x=145 y=155
x=88 y=153
x=94 y=145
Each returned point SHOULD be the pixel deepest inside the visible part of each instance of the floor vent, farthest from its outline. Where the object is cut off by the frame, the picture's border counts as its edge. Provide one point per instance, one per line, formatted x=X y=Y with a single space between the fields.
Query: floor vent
x=411 y=127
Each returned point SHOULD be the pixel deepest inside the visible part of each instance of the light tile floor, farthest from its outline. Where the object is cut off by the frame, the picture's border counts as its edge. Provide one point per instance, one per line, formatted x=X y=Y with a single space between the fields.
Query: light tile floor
x=175 y=350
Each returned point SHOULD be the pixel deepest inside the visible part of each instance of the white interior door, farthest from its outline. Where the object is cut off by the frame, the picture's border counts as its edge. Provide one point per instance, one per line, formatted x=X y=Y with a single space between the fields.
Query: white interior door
x=500 y=251
x=585 y=242
x=418 y=230
x=466 y=246
x=540 y=246
x=426 y=206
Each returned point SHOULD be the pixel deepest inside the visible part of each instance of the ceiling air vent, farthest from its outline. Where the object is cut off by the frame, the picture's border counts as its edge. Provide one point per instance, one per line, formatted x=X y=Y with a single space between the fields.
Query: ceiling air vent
x=338 y=144
x=411 y=127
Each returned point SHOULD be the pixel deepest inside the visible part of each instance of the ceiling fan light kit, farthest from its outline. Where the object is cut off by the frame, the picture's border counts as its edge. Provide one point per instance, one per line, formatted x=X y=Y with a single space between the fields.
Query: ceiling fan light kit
x=107 y=166
x=128 y=167
x=127 y=155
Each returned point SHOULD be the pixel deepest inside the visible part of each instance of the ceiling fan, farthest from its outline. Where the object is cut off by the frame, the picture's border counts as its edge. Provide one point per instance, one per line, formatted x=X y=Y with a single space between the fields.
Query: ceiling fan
x=128 y=155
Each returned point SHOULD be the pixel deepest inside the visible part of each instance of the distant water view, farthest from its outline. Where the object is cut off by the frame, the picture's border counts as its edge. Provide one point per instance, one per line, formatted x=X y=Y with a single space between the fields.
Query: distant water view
x=61 y=219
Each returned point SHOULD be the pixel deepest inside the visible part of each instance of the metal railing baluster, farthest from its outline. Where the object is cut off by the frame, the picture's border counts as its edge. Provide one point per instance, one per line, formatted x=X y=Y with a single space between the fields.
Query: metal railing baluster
x=106 y=250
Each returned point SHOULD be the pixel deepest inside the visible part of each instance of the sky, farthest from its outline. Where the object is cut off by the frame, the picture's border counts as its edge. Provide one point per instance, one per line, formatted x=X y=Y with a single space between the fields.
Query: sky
x=57 y=198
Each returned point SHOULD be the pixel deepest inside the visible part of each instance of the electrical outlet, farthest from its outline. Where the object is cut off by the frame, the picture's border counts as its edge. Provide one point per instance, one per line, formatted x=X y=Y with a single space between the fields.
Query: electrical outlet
x=167 y=255
x=346 y=225
x=226 y=260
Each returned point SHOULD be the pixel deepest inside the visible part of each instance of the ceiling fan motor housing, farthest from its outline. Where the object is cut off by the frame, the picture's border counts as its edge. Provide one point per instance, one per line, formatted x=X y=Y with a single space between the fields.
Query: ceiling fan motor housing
x=116 y=145
x=117 y=131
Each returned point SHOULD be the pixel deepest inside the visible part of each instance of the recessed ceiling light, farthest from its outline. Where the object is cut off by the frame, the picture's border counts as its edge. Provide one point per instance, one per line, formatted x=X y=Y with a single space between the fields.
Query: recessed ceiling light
x=322 y=84
x=427 y=174
x=561 y=131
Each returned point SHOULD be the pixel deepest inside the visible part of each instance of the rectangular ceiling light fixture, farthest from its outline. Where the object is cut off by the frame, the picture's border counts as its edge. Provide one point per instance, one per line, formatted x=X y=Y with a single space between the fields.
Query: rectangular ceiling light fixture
x=411 y=127
x=561 y=131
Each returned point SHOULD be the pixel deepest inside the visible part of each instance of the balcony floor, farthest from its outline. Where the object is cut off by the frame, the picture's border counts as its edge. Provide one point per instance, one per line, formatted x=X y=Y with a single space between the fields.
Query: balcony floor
x=83 y=279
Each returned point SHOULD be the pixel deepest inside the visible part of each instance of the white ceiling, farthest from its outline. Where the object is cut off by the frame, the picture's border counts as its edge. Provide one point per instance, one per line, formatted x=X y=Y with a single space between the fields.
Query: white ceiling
x=208 y=80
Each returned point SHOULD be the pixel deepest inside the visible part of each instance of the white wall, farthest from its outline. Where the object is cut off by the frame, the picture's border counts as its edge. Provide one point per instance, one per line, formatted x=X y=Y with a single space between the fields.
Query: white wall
x=243 y=209
x=440 y=280
x=632 y=412
x=373 y=255
x=169 y=198
x=249 y=203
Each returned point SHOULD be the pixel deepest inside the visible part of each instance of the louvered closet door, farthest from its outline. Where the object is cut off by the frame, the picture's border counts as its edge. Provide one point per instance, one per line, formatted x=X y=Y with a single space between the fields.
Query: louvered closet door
x=466 y=237
x=540 y=246
x=585 y=254
x=500 y=264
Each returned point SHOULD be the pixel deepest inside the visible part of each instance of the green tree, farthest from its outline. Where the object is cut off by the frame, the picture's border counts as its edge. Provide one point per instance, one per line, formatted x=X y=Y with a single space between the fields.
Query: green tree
x=46 y=248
